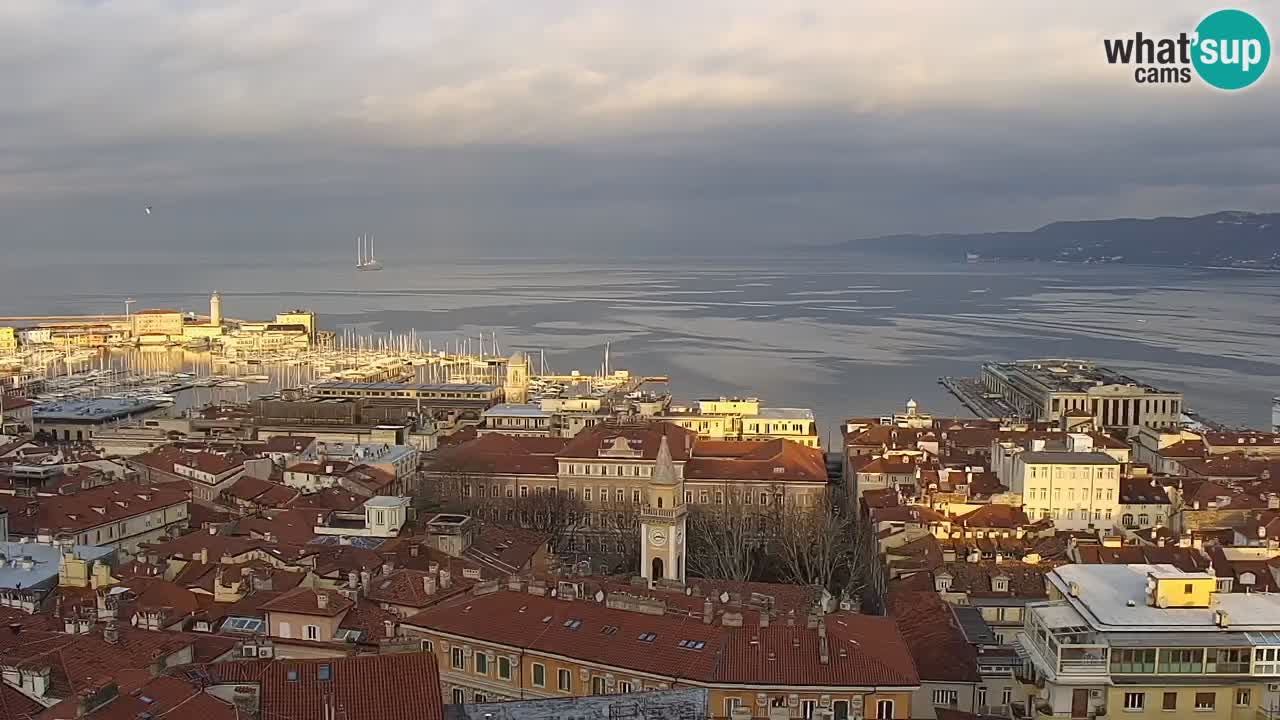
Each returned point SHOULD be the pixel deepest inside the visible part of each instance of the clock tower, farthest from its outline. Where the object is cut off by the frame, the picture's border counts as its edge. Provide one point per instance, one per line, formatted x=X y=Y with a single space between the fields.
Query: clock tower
x=662 y=522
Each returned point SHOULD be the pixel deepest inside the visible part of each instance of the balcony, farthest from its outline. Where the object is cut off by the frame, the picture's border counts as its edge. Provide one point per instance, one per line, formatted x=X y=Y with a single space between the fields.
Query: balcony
x=1068 y=660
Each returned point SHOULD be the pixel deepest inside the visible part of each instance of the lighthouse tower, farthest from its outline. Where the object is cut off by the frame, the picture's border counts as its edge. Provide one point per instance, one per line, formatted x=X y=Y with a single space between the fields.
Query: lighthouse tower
x=215 y=309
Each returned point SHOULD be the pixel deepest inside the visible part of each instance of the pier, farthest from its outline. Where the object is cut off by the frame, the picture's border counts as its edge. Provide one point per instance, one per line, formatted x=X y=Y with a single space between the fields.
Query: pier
x=974 y=396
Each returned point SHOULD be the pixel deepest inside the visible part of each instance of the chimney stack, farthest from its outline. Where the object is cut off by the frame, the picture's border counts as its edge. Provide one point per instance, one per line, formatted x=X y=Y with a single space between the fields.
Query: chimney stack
x=322 y=600
x=446 y=579
x=111 y=633
x=429 y=584
x=708 y=612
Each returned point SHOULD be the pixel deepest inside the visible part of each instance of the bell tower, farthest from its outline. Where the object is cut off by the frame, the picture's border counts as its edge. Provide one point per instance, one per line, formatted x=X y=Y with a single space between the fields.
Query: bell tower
x=662 y=522
x=515 y=386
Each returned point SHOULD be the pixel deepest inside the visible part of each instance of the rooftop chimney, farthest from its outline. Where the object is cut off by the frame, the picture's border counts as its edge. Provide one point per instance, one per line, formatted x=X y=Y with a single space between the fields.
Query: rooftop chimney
x=446 y=579
x=708 y=612
x=322 y=600
x=111 y=633
x=429 y=584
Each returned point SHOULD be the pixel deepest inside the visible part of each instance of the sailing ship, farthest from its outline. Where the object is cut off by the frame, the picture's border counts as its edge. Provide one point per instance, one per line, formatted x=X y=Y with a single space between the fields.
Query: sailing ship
x=364 y=254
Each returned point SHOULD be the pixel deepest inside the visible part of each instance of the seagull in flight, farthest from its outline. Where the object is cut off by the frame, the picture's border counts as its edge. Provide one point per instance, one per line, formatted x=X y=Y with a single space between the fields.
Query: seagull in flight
x=148 y=209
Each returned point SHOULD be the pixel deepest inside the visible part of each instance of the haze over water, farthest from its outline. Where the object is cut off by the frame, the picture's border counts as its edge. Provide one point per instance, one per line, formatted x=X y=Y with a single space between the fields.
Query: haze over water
x=847 y=334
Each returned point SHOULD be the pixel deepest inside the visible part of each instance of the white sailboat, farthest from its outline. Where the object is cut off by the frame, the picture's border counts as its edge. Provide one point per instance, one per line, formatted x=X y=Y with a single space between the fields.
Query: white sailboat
x=364 y=254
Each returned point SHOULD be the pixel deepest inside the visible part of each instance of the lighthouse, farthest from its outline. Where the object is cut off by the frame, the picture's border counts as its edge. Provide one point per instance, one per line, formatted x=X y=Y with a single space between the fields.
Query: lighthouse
x=215 y=310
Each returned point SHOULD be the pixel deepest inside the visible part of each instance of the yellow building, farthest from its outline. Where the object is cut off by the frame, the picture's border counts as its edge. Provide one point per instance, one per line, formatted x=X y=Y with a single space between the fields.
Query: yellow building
x=305 y=318
x=8 y=340
x=156 y=323
x=744 y=419
x=1150 y=641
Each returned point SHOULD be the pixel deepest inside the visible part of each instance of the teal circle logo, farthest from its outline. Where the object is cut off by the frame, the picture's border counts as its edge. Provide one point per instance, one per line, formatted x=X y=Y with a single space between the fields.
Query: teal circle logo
x=1232 y=49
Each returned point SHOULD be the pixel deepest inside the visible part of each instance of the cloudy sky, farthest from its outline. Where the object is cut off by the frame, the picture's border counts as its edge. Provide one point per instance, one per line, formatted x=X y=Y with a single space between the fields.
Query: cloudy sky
x=515 y=126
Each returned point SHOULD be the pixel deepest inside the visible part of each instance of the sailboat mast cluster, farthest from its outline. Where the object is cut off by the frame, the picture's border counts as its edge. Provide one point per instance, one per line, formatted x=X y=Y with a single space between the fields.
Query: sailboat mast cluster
x=365 y=259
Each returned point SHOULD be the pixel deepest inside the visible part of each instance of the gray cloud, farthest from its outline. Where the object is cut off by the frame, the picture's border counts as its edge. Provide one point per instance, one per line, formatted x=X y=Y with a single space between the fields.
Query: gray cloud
x=470 y=126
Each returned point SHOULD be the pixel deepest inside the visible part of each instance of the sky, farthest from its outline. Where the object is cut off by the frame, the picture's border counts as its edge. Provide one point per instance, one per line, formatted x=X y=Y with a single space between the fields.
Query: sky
x=523 y=128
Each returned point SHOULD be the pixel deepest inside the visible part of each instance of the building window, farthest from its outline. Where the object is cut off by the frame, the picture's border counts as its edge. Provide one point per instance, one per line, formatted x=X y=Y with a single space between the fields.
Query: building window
x=564 y=680
x=884 y=710
x=982 y=696
x=1242 y=698
x=1135 y=700
x=1182 y=661
x=482 y=663
x=1133 y=661
x=597 y=686
x=539 y=675
x=1233 y=661
x=1206 y=700
x=688 y=497
x=840 y=709
x=944 y=697
x=458 y=661
x=1170 y=701
x=313 y=632
x=1006 y=696
x=479 y=697
x=504 y=668
x=807 y=707
x=625 y=686
x=459 y=696
x=731 y=704
x=586 y=494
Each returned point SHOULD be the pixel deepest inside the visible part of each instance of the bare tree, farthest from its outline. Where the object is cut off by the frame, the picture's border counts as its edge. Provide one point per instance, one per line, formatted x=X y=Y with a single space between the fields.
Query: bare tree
x=817 y=545
x=724 y=538
x=620 y=535
x=552 y=513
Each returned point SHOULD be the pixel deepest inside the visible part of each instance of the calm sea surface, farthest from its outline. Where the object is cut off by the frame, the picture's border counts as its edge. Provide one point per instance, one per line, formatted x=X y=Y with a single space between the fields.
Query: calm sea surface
x=845 y=335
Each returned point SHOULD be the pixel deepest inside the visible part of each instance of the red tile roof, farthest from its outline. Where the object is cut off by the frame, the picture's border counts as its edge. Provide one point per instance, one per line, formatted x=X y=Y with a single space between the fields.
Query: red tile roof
x=400 y=686
x=771 y=461
x=938 y=646
x=863 y=650
x=306 y=601
x=1142 y=491
x=496 y=453
x=87 y=662
x=995 y=516
x=86 y=509
x=1187 y=559
x=643 y=438
x=261 y=492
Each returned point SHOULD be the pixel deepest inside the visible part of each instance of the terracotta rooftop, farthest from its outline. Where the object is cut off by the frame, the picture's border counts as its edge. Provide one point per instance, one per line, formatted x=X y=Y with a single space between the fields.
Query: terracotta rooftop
x=398 y=686
x=863 y=650
x=86 y=509
x=937 y=644
x=306 y=601
x=87 y=662
x=643 y=439
x=975 y=579
x=771 y=461
x=994 y=516
x=1186 y=559
x=1142 y=491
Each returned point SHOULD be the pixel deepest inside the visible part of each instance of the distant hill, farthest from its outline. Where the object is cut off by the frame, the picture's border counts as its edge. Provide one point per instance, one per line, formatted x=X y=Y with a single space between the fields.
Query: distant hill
x=1230 y=238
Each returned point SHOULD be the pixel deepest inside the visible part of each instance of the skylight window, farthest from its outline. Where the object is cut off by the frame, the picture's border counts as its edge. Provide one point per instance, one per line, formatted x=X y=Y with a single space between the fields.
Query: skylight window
x=573 y=623
x=647 y=637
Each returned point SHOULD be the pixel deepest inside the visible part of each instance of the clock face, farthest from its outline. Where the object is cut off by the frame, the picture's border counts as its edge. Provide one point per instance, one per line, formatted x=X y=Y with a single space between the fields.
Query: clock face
x=657 y=537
